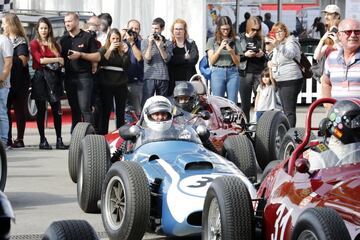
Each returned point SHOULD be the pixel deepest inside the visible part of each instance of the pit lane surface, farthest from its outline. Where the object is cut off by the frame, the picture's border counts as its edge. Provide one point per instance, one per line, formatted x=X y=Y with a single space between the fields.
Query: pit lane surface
x=40 y=189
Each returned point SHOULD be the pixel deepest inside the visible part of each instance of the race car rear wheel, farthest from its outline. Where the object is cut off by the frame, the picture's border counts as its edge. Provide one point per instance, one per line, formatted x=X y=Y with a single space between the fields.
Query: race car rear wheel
x=3 y=167
x=125 y=201
x=270 y=130
x=94 y=163
x=239 y=150
x=289 y=144
x=320 y=224
x=80 y=131
x=70 y=229
x=228 y=212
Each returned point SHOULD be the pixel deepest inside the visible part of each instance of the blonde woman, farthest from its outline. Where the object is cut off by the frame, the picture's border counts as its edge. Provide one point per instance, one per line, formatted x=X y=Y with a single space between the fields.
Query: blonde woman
x=20 y=77
x=185 y=55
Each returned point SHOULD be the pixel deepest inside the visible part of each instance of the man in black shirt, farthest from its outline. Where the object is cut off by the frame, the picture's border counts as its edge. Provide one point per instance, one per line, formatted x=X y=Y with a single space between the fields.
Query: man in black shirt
x=268 y=21
x=79 y=50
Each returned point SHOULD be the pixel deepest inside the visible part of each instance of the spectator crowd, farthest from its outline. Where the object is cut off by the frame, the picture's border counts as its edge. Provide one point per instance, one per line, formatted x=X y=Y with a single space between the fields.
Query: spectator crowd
x=103 y=68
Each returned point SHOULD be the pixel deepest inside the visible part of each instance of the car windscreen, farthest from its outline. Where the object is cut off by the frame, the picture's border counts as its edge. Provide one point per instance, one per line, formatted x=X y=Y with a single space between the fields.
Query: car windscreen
x=175 y=132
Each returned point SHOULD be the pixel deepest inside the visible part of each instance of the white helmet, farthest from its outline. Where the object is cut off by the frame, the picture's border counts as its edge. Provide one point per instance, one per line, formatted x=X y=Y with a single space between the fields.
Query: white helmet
x=157 y=104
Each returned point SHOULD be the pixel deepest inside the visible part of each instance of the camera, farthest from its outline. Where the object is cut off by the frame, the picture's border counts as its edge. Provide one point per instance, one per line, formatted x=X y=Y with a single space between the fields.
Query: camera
x=158 y=36
x=132 y=33
x=334 y=30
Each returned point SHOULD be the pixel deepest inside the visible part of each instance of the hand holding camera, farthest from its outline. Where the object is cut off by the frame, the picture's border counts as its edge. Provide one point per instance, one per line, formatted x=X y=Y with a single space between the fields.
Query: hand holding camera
x=114 y=46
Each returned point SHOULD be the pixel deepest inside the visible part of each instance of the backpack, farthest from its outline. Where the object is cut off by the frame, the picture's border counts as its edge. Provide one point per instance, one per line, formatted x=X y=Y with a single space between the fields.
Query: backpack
x=305 y=66
x=318 y=68
x=204 y=67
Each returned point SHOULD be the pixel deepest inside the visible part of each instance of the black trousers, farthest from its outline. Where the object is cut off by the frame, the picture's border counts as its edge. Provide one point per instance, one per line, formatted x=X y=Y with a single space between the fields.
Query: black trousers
x=17 y=98
x=40 y=119
x=288 y=92
x=107 y=94
x=79 y=92
x=248 y=84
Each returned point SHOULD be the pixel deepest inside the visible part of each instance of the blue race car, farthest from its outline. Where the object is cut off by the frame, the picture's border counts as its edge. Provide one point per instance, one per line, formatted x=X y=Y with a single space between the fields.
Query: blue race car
x=161 y=183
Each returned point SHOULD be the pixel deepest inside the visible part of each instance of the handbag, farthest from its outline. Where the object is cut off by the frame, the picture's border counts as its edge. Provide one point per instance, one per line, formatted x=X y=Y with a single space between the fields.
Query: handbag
x=305 y=66
x=318 y=68
x=53 y=66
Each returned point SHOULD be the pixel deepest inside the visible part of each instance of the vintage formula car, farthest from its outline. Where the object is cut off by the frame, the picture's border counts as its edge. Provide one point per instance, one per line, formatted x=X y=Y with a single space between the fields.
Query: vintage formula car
x=158 y=185
x=313 y=194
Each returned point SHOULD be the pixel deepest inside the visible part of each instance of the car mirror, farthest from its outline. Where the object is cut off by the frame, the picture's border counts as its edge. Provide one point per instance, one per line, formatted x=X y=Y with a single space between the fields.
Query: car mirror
x=203 y=132
x=302 y=165
x=204 y=114
x=129 y=132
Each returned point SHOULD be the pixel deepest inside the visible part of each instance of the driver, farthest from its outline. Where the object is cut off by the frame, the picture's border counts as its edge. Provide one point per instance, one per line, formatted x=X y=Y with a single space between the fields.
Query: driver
x=186 y=98
x=157 y=113
x=342 y=125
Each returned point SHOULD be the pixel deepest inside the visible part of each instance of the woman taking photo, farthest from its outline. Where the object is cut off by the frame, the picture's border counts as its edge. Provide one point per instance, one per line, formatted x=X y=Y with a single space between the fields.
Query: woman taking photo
x=20 y=77
x=285 y=70
x=253 y=60
x=113 y=79
x=45 y=51
x=224 y=55
x=185 y=55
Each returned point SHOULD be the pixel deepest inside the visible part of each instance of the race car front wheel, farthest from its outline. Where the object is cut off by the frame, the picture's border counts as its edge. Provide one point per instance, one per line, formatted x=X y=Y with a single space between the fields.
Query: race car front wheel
x=125 y=201
x=320 y=224
x=228 y=212
x=70 y=229
x=80 y=131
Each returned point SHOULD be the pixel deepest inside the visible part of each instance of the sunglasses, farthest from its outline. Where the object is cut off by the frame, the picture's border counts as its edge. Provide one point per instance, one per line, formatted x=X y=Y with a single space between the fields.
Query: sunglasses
x=349 y=32
x=255 y=29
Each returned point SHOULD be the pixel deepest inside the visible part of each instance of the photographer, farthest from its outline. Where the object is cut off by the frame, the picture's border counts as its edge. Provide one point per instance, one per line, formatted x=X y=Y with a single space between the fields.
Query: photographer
x=157 y=52
x=252 y=62
x=136 y=68
x=113 y=79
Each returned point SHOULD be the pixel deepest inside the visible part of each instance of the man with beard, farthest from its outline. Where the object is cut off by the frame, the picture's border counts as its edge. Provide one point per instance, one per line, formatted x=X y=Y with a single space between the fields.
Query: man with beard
x=79 y=50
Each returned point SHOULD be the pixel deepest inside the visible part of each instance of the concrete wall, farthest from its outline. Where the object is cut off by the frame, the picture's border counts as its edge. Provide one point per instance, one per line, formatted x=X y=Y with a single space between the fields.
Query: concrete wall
x=193 y=11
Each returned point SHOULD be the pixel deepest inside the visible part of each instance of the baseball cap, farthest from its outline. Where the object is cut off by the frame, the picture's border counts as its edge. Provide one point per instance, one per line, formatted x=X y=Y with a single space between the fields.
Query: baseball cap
x=332 y=8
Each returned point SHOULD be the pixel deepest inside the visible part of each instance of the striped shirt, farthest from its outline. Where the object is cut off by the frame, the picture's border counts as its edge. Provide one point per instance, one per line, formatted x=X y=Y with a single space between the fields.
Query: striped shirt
x=344 y=78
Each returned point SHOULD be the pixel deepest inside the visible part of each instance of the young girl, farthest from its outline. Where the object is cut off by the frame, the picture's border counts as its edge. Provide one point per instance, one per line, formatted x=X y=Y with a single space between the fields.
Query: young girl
x=265 y=97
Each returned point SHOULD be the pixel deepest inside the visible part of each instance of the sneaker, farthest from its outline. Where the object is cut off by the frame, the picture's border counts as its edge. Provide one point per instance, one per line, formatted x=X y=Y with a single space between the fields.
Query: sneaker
x=18 y=143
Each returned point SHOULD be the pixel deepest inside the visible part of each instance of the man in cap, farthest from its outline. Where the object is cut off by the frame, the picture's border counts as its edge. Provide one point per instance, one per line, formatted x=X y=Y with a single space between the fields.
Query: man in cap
x=331 y=15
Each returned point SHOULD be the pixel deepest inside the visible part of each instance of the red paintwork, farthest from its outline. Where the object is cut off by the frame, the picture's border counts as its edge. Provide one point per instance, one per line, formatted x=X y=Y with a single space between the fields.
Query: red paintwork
x=287 y=190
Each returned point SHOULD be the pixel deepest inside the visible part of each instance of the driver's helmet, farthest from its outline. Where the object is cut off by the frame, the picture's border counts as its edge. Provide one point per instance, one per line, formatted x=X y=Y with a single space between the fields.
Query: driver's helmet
x=185 y=89
x=6 y=215
x=344 y=117
x=158 y=105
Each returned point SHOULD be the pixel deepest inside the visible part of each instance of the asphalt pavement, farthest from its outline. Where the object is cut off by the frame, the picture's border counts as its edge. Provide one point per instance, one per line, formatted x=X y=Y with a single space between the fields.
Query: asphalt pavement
x=41 y=191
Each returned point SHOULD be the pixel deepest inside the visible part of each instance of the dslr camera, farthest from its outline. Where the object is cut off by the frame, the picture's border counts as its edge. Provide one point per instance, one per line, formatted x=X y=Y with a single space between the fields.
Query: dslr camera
x=158 y=36
x=132 y=33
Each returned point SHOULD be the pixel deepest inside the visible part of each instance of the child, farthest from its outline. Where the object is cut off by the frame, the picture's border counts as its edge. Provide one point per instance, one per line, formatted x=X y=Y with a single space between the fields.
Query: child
x=265 y=94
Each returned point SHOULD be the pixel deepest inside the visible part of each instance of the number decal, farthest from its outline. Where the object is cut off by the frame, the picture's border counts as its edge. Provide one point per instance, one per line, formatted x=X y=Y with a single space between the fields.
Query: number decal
x=202 y=183
x=281 y=222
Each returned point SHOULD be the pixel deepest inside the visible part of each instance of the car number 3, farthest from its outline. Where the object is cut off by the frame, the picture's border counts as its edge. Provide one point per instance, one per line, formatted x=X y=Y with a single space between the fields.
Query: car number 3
x=197 y=185
x=281 y=221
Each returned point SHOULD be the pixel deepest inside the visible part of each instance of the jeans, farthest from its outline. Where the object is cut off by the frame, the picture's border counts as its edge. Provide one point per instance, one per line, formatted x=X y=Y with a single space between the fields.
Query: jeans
x=79 y=91
x=151 y=86
x=225 y=80
x=135 y=91
x=288 y=92
x=249 y=84
x=4 y=121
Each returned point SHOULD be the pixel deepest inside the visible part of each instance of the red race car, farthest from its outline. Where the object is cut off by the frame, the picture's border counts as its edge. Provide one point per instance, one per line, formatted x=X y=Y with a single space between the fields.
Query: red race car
x=313 y=194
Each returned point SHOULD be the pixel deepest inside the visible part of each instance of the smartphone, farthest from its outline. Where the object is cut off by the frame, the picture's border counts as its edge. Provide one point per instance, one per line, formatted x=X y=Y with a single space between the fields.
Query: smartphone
x=334 y=30
x=70 y=52
x=272 y=34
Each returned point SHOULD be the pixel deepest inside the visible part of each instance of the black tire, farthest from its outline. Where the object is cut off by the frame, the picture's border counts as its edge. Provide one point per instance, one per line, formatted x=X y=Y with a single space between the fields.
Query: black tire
x=239 y=150
x=320 y=224
x=268 y=169
x=270 y=130
x=289 y=144
x=3 y=167
x=30 y=108
x=80 y=131
x=228 y=199
x=125 y=216
x=95 y=159
x=70 y=230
